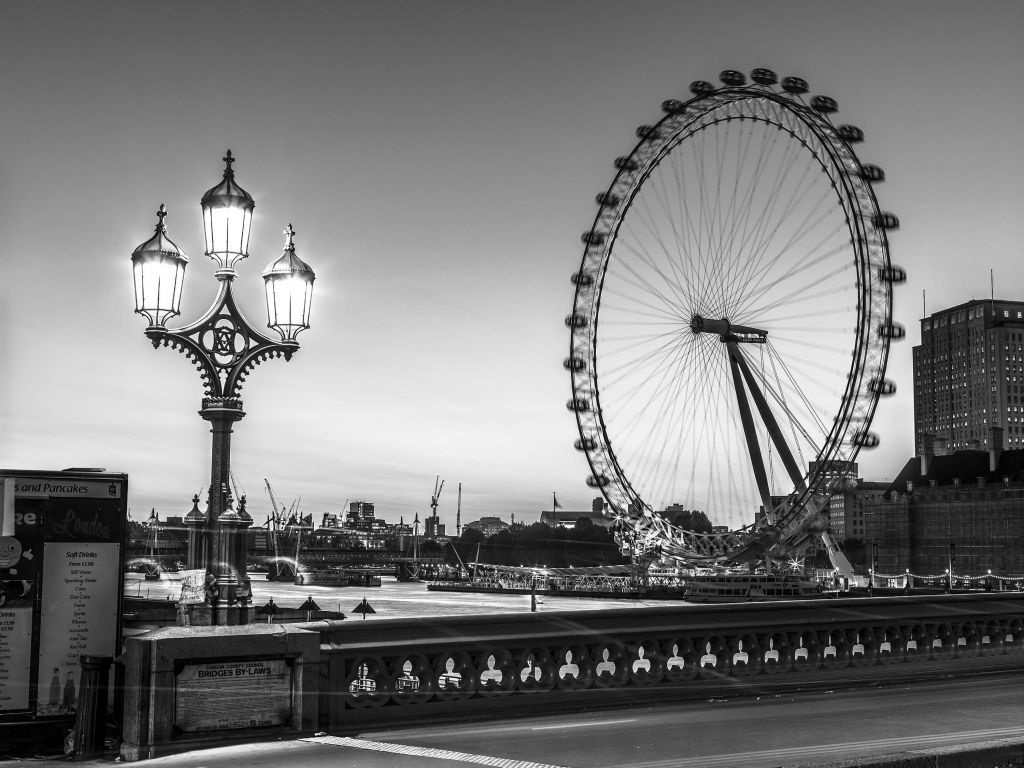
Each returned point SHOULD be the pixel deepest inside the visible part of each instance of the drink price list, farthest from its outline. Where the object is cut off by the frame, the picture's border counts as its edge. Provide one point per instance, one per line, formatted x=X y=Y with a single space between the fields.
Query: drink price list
x=79 y=615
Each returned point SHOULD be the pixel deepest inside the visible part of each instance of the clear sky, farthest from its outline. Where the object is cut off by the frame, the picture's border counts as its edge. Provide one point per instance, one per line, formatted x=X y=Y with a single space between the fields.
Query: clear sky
x=439 y=161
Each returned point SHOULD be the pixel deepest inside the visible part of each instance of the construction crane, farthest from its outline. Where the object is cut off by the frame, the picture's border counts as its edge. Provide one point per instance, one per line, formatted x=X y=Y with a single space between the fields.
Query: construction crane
x=278 y=515
x=432 y=528
x=458 y=514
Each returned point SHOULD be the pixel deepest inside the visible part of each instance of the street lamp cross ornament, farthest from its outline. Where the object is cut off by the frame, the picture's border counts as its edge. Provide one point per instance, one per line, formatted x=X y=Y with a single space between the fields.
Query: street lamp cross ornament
x=225 y=347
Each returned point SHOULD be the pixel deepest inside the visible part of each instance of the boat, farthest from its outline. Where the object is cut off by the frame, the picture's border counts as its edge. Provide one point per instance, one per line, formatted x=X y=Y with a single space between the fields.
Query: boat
x=322 y=576
x=743 y=587
x=338 y=577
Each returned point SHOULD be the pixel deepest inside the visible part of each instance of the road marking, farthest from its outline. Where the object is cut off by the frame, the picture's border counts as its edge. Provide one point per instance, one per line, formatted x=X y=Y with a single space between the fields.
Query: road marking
x=441 y=754
x=580 y=725
x=793 y=755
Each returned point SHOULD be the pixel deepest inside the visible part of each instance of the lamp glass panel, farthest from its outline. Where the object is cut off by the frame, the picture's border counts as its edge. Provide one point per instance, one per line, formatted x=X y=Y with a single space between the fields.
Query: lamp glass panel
x=227 y=233
x=288 y=304
x=158 y=284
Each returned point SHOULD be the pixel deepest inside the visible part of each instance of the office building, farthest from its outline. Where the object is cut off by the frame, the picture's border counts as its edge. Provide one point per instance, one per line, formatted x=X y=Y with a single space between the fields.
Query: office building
x=969 y=377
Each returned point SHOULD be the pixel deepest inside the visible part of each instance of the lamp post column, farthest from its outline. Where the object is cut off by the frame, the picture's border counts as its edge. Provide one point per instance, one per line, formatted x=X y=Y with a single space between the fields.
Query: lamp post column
x=227 y=610
x=222 y=413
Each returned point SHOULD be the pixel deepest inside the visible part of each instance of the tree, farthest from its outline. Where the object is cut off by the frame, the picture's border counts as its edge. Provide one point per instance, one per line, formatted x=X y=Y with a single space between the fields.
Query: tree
x=692 y=520
x=471 y=537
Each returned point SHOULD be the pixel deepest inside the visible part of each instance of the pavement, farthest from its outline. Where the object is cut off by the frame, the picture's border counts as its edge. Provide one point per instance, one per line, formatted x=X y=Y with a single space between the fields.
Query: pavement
x=319 y=751
x=323 y=751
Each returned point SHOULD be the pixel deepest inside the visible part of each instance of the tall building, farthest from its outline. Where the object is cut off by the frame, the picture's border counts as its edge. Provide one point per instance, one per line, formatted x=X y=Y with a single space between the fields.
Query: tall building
x=433 y=528
x=360 y=514
x=969 y=377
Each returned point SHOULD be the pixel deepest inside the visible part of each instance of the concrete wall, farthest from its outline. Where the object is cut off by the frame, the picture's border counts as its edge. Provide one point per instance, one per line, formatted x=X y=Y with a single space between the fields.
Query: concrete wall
x=157 y=663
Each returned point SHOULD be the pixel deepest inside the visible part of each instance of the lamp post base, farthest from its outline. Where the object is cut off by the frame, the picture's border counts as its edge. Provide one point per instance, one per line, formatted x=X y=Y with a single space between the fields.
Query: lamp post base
x=232 y=615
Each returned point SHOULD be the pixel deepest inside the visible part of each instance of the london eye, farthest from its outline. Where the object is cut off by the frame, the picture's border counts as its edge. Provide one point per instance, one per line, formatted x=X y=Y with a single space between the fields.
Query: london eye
x=731 y=320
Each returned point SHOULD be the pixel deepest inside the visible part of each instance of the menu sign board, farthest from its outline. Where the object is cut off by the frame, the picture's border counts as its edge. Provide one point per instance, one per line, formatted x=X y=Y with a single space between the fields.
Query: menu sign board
x=61 y=578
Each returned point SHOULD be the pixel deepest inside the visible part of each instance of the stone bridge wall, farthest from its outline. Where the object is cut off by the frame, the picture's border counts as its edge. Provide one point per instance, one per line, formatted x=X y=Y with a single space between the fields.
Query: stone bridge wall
x=389 y=671
x=350 y=675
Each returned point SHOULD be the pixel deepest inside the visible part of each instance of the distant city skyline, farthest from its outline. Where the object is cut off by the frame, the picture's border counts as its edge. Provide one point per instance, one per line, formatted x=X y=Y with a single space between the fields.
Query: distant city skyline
x=438 y=162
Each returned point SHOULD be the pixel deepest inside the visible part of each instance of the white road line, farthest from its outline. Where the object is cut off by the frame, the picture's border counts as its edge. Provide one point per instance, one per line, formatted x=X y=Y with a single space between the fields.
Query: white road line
x=580 y=725
x=441 y=754
x=793 y=755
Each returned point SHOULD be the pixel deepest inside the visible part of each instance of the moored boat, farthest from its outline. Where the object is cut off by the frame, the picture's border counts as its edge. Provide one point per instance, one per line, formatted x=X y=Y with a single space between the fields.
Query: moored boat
x=338 y=577
x=742 y=587
x=324 y=576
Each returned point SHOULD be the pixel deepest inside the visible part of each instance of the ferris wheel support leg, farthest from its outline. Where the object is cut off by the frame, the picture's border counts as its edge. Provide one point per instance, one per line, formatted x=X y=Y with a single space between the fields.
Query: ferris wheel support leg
x=747 y=418
x=795 y=474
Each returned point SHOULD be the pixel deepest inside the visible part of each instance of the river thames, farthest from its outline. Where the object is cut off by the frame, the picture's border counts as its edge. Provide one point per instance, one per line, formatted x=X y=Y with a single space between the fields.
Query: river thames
x=391 y=600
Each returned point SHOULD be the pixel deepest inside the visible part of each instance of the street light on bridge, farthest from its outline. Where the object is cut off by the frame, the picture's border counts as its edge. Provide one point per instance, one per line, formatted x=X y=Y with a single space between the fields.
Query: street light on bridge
x=224 y=347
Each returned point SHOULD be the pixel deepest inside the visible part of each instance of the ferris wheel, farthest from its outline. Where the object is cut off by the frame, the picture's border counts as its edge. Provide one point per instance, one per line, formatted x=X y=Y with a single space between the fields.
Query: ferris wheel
x=731 y=320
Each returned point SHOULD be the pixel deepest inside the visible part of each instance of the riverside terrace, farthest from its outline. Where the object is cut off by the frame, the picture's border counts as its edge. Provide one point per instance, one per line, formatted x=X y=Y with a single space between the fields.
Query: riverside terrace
x=338 y=676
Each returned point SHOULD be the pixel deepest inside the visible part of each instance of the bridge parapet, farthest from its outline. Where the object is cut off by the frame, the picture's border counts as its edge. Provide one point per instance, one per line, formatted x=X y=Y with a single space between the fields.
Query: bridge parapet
x=338 y=676
x=396 y=669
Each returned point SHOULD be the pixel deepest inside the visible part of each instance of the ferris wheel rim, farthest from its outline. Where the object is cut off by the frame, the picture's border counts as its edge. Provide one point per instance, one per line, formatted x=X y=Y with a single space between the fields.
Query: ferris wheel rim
x=870 y=247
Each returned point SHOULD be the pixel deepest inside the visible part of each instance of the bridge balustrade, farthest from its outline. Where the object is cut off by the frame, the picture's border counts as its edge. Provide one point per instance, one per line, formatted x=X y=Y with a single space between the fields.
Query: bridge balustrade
x=391 y=669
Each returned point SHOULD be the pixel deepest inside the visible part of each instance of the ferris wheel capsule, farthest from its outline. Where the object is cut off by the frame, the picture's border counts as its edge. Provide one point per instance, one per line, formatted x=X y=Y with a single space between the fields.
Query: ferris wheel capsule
x=597 y=481
x=764 y=76
x=733 y=77
x=826 y=105
x=701 y=87
x=872 y=173
x=886 y=220
x=576 y=320
x=578 y=405
x=851 y=134
x=673 y=106
x=882 y=386
x=892 y=274
x=795 y=85
x=574 y=363
x=582 y=278
x=892 y=331
x=607 y=198
x=866 y=439
x=646 y=132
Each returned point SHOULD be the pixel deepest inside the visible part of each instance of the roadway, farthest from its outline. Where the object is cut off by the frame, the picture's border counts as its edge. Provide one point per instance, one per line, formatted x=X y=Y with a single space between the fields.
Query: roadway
x=732 y=731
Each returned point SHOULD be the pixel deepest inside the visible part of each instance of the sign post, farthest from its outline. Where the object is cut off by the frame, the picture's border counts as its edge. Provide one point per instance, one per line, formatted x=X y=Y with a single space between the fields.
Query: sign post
x=61 y=579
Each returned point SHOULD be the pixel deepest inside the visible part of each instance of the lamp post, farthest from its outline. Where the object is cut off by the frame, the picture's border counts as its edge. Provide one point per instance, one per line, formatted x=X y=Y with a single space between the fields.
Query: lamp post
x=224 y=347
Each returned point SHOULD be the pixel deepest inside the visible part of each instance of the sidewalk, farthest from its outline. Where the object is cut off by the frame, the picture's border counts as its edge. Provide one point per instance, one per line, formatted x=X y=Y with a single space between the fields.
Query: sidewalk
x=314 y=751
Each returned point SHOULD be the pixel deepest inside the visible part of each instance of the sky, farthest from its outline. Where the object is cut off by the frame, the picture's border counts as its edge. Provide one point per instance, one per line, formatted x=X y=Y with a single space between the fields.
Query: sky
x=438 y=161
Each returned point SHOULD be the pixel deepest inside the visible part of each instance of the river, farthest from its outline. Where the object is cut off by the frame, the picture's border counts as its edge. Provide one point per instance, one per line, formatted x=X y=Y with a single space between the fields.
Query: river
x=391 y=600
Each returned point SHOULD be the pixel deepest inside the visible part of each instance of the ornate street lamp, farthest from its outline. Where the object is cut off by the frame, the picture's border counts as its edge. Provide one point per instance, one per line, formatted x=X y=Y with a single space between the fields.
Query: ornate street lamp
x=225 y=348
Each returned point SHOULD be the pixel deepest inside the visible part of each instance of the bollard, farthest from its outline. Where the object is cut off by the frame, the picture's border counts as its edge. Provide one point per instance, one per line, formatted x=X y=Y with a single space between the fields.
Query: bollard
x=91 y=720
